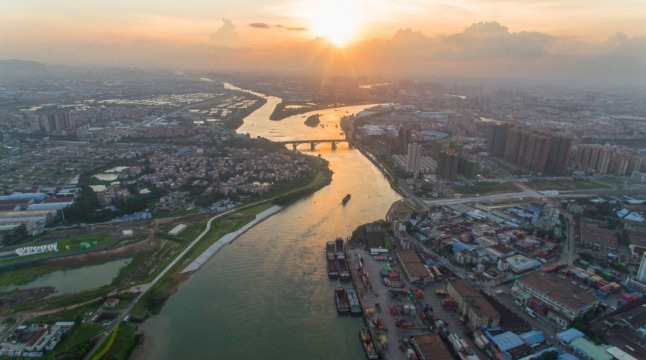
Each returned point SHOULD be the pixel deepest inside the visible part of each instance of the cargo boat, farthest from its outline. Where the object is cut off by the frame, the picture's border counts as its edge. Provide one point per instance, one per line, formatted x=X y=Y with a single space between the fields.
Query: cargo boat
x=344 y=270
x=353 y=300
x=329 y=248
x=330 y=258
x=341 y=300
x=340 y=249
x=346 y=199
x=368 y=345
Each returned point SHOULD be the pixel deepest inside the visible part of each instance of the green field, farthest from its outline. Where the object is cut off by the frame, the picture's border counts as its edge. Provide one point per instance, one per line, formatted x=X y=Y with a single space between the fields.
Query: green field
x=579 y=184
x=486 y=187
x=65 y=245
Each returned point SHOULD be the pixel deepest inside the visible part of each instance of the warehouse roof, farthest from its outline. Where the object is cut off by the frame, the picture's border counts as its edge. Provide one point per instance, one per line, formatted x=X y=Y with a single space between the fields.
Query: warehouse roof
x=592 y=351
x=508 y=340
x=558 y=289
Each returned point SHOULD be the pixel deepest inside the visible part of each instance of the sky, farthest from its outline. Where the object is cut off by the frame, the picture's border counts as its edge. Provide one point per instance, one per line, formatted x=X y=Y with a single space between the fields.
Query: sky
x=600 y=40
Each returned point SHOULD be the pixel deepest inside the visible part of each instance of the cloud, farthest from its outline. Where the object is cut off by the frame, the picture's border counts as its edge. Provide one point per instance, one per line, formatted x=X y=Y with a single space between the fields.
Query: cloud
x=269 y=26
x=226 y=35
x=491 y=40
x=260 y=25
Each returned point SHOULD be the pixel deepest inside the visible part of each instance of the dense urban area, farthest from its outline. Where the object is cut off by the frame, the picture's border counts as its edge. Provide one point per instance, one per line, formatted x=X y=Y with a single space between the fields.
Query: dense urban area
x=520 y=234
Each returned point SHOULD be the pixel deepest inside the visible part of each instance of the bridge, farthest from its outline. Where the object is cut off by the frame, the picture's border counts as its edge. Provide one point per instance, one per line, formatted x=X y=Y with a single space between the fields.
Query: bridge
x=313 y=143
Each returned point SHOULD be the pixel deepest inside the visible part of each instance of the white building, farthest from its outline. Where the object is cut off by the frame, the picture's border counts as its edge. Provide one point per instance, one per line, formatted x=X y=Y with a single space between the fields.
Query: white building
x=641 y=274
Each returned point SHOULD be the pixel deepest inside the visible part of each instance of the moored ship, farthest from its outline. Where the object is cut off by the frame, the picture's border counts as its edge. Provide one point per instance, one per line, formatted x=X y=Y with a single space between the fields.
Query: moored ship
x=344 y=270
x=330 y=257
x=329 y=248
x=368 y=345
x=346 y=199
x=332 y=267
x=340 y=248
x=355 y=305
x=341 y=300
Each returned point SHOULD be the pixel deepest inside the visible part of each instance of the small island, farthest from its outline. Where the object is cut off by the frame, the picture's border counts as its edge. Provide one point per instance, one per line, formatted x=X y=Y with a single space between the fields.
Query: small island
x=313 y=120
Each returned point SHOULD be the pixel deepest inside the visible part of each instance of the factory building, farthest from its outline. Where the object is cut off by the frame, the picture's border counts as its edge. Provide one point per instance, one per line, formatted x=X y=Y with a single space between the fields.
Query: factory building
x=564 y=300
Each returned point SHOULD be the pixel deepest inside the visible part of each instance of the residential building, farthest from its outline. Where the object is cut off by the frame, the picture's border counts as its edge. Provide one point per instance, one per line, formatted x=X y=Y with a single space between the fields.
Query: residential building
x=413 y=158
x=473 y=304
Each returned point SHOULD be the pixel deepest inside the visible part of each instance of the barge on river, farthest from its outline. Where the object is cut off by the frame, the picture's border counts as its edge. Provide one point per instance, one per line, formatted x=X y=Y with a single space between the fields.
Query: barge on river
x=341 y=300
x=330 y=257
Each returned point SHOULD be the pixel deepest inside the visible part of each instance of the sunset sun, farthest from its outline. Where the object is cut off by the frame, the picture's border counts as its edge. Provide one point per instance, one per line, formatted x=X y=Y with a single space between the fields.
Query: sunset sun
x=337 y=21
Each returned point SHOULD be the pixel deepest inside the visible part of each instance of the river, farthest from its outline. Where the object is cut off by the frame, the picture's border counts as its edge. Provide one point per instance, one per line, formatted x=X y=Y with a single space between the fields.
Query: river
x=267 y=295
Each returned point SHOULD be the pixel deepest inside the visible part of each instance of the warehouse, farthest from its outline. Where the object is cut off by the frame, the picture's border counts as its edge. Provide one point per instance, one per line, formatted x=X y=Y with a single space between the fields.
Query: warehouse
x=564 y=300
x=413 y=267
x=431 y=347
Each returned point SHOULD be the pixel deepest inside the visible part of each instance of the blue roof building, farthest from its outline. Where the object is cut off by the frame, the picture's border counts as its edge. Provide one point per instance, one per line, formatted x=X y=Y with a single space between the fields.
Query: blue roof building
x=37 y=197
x=507 y=341
x=533 y=337
x=569 y=335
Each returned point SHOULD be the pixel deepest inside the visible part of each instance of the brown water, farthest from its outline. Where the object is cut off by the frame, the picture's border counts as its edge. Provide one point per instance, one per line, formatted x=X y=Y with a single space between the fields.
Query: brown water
x=267 y=295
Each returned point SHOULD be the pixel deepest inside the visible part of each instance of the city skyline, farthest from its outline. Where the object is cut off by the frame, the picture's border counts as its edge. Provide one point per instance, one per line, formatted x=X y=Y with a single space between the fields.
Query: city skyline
x=601 y=43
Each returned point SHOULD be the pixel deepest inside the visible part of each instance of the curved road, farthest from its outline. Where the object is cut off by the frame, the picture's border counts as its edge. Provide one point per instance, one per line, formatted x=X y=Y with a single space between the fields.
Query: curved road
x=144 y=288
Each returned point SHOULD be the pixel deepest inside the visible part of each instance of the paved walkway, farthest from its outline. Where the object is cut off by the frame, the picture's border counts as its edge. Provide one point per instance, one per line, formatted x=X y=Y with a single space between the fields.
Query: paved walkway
x=228 y=238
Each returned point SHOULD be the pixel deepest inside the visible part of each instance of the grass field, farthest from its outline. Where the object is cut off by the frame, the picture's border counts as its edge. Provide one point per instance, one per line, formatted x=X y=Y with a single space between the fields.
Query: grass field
x=579 y=184
x=486 y=187
x=65 y=245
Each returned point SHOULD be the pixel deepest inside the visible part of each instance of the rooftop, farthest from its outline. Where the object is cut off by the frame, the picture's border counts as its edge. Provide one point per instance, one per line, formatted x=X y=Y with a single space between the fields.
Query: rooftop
x=507 y=341
x=408 y=256
x=558 y=289
x=432 y=347
x=569 y=335
x=594 y=352
x=472 y=296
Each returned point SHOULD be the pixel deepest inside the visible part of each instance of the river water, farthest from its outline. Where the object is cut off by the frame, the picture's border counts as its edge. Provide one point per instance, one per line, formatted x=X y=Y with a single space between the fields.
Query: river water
x=267 y=295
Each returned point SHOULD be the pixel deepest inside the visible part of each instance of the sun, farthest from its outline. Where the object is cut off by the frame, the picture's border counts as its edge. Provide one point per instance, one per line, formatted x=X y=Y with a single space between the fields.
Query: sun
x=337 y=21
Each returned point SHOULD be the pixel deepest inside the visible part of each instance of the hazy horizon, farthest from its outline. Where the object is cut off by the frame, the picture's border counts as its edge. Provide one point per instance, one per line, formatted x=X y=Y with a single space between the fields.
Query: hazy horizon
x=568 y=41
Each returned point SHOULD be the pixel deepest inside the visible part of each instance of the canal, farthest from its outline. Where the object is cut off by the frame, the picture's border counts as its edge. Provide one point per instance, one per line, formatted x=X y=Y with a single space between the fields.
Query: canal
x=267 y=295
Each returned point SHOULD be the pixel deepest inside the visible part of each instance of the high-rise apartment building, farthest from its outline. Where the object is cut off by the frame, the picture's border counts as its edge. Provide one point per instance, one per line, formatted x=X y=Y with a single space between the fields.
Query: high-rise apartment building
x=448 y=163
x=413 y=158
x=598 y=159
x=535 y=150
x=497 y=139
x=558 y=155
x=405 y=138
x=55 y=120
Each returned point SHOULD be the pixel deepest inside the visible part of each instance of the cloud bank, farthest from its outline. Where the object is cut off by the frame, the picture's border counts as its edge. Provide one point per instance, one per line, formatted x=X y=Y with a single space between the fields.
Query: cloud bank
x=483 y=50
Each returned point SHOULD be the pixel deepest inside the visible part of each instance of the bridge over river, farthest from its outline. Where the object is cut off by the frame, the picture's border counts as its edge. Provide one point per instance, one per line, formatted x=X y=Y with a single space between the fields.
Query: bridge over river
x=313 y=143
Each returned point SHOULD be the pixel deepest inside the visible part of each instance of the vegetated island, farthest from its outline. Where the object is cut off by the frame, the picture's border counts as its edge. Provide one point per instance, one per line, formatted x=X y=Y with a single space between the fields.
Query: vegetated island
x=313 y=120
x=290 y=108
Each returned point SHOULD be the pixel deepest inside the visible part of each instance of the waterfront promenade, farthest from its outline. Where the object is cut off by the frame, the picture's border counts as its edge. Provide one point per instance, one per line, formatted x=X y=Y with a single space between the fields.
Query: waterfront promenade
x=228 y=238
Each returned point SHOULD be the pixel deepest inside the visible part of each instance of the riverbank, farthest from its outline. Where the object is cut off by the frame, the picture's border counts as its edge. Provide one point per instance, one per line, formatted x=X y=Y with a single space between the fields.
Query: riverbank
x=281 y=111
x=229 y=238
x=223 y=225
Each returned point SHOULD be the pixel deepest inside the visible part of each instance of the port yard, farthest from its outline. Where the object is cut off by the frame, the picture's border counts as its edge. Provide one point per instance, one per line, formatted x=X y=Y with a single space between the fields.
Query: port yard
x=380 y=301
